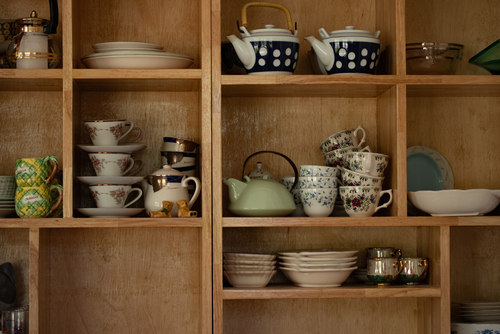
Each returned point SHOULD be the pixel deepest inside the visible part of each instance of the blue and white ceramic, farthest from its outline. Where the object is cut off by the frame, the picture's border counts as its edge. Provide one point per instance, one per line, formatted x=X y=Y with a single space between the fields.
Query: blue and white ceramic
x=348 y=51
x=267 y=51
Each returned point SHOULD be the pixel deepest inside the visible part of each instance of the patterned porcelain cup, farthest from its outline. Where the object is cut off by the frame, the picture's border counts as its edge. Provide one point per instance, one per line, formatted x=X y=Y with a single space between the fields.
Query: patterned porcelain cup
x=113 y=195
x=383 y=252
x=318 y=202
x=307 y=182
x=363 y=201
x=113 y=164
x=336 y=158
x=36 y=202
x=110 y=132
x=343 y=139
x=350 y=178
x=383 y=270
x=312 y=170
x=414 y=270
x=373 y=164
x=35 y=172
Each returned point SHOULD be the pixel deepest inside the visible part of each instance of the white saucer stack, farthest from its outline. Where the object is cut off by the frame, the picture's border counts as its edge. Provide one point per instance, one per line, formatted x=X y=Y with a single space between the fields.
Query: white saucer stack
x=324 y=268
x=243 y=270
x=7 y=195
x=480 y=312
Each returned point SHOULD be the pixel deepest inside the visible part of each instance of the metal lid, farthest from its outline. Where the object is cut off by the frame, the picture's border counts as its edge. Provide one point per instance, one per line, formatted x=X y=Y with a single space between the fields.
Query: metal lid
x=32 y=23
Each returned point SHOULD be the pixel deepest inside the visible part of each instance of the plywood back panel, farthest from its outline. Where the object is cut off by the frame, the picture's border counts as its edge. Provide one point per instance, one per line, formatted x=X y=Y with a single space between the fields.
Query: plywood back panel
x=124 y=280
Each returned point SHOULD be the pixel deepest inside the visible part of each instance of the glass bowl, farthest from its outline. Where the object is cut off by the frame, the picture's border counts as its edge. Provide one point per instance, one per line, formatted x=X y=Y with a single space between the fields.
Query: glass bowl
x=433 y=58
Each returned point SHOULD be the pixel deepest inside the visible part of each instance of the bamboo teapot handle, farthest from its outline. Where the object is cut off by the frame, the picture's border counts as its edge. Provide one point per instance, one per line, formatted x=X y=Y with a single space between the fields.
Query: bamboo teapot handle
x=266 y=4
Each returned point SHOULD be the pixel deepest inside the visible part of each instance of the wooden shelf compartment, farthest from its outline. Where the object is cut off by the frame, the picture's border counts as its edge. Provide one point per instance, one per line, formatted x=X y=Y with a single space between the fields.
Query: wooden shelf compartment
x=30 y=80
x=344 y=291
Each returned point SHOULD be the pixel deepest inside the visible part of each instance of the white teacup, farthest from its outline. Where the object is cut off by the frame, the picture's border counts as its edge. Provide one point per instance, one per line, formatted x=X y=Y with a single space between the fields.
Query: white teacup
x=318 y=202
x=363 y=201
x=113 y=164
x=113 y=196
x=343 y=139
x=373 y=164
x=350 y=178
x=307 y=182
x=110 y=132
x=335 y=158
x=313 y=170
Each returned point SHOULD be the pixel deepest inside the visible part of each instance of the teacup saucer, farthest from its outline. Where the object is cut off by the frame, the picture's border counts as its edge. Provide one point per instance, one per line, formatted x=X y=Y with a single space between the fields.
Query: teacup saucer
x=122 y=148
x=109 y=212
x=92 y=180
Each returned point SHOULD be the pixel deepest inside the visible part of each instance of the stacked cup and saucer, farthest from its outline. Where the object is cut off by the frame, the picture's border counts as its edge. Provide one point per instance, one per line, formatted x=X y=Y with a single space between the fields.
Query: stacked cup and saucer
x=114 y=167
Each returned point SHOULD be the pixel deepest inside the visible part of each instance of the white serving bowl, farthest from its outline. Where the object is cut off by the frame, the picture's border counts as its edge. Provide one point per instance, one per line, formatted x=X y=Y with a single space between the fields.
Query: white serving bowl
x=320 y=260
x=249 y=263
x=317 y=266
x=455 y=202
x=249 y=279
x=466 y=328
x=317 y=278
x=249 y=257
x=320 y=253
x=236 y=267
x=136 y=61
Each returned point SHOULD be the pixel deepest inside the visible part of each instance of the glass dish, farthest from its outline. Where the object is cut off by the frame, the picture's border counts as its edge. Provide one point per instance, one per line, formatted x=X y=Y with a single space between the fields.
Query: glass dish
x=433 y=58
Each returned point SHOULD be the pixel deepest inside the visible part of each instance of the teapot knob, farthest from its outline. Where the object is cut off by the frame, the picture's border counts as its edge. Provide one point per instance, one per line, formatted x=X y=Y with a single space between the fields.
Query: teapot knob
x=349 y=28
x=269 y=26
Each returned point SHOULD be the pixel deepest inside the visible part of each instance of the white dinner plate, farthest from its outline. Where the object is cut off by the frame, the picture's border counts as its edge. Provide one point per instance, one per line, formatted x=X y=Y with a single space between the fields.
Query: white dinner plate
x=123 y=148
x=109 y=212
x=115 y=53
x=137 y=62
x=320 y=253
x=427 y=169
x=125 y=45
x=110 y=179
x=6 y=212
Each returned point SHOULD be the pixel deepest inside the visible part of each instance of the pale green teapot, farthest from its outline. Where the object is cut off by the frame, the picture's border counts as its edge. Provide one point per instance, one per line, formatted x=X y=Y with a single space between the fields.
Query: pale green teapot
x=261 y=197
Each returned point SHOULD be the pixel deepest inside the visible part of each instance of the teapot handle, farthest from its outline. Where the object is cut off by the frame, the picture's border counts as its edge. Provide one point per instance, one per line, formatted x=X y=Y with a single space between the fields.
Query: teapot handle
x=296 y=181
x=266 y=4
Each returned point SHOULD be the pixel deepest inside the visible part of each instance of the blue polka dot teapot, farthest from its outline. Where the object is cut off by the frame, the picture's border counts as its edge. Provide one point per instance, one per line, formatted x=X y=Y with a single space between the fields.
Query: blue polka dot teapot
x=348 y=51
x=269 y=50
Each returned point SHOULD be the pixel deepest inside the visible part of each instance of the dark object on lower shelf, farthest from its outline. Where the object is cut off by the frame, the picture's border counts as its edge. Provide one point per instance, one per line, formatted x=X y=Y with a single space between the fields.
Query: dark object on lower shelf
x=8 y=293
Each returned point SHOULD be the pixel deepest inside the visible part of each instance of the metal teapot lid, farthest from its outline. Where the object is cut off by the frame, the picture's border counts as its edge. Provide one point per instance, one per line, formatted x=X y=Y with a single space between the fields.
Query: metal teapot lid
x=35 y=24
x=349 y=32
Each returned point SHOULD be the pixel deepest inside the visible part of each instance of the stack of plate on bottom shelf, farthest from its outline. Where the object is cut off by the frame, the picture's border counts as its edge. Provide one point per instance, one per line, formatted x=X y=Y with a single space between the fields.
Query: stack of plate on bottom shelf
x=480 y=312
x=7 y=195
x=244 y=270
x=318 y=268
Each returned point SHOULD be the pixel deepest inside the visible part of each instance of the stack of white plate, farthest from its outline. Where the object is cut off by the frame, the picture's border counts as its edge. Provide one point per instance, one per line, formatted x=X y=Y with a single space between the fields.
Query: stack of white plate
x=480 y=312
x=323 y=268
x=134 y=55
x=243 y=270
x=7 y=195
x=361 y=275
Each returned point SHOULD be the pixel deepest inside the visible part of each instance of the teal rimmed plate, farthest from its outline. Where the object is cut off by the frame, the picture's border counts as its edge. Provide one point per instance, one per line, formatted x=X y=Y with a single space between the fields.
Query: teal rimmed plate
x=427 y=169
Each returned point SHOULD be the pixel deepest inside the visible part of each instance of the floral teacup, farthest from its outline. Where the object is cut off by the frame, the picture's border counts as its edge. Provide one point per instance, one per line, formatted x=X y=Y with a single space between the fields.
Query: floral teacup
x=312 y=170
x=336 y=158
x=318 y=202
x=109 y=132
x=373 y=164
x=343 y=139
x=350 y=178
x=113 y=196
x=363 y=201
x=113 y=164
x=306 y=182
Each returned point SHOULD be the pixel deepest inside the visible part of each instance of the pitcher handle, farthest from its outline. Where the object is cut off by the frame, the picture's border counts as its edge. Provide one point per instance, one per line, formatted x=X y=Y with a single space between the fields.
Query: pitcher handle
x=426 y=267
x=196 y=190
x=55 y=167
x=385 y=205
x=59 y=199
x=280 y=154
x=355 y=133
x=400 y=262
x=266 y=4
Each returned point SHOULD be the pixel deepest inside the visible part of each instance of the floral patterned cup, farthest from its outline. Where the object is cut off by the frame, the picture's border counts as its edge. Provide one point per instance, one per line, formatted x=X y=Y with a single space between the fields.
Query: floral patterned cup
x=307 y=182
x=312 y=170
x=373 y=164
x=109 y=132
x=113 y=164
x=363 y=201
x=343 y=139
x=318 y=202
x=113 y=196
x=336 y=158
x=350 y=178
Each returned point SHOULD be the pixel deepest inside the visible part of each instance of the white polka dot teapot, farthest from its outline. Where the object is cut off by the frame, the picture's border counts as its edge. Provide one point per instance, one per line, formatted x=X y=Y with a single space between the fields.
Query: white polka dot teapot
x=270 y=50
x=348 y=51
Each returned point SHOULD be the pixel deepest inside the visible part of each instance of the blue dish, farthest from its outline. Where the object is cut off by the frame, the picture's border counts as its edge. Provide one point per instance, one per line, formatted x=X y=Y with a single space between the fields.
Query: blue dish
x=423 y=173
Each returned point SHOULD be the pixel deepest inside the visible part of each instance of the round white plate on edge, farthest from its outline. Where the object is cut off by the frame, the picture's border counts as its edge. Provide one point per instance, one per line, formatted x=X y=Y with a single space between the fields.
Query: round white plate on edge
x=109 y=212
x=123 y=148
x=110 y=179
x=427 y=169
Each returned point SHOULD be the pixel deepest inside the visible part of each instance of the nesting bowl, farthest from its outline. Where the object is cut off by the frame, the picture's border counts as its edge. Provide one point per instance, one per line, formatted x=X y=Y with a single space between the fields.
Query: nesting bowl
x=433 y=58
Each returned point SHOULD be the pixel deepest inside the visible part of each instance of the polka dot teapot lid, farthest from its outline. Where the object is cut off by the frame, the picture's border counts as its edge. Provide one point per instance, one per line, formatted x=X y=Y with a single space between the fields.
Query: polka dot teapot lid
x=350 y=33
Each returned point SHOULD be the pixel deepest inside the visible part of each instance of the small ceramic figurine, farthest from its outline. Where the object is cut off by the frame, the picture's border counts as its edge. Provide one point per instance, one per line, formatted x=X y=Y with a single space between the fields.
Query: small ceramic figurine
x=184 y=210
x=165 y=212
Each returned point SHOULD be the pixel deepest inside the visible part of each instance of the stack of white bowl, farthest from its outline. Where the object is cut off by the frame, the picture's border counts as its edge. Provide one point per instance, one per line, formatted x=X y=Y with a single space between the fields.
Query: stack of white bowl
x=244 y=270
x=480 y=312
x=7 y=195
x=318 y=268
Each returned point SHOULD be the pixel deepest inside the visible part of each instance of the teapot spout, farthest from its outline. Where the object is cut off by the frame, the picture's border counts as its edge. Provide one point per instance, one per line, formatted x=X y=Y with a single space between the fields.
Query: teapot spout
x=323 y=51
x=236 y=187
x=244 y=51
